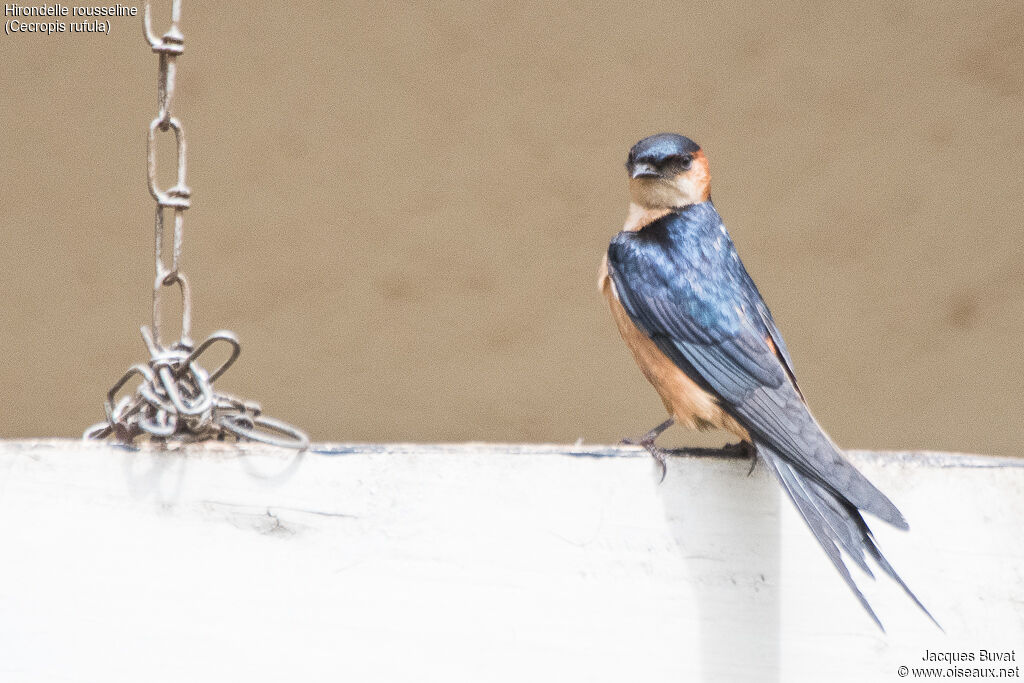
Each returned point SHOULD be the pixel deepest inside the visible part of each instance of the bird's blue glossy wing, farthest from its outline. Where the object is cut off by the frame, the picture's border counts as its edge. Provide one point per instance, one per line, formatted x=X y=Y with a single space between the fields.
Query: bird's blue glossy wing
x=682 y=284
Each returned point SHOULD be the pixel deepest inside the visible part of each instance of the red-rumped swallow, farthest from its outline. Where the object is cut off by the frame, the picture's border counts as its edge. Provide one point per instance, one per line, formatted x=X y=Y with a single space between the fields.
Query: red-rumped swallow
x=703 y=336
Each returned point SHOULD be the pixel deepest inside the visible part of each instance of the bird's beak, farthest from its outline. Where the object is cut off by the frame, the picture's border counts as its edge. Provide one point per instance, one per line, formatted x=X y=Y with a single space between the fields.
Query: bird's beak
x=642 y=169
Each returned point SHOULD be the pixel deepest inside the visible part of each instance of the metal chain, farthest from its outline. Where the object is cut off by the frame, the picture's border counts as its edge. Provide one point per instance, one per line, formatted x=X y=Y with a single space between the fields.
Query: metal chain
x=175 y=397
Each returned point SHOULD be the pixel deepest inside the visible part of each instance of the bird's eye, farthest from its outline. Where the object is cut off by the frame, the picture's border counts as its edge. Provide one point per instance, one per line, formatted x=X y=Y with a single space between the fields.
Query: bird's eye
x=678 y=161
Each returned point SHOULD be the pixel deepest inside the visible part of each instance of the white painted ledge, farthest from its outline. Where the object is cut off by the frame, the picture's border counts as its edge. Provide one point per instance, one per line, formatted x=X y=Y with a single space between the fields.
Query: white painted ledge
x=479 y=562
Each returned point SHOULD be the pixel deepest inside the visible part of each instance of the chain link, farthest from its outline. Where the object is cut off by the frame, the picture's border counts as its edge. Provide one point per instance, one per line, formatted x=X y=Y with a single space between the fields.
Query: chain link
x=175 y=396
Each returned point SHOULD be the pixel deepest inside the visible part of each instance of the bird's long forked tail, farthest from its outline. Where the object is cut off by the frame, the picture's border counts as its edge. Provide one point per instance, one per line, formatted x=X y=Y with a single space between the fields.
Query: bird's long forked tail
x=836 y=524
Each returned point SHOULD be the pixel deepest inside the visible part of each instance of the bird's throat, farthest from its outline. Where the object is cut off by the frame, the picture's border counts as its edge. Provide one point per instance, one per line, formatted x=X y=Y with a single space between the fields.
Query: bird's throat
x=639 y=216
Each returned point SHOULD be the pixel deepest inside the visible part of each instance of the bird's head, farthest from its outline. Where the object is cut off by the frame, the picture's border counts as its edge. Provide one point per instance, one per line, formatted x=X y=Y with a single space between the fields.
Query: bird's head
x=668 y=171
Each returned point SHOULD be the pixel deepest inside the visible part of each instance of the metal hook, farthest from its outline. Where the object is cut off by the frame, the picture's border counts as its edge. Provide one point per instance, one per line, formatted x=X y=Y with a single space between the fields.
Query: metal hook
x=178 y=195
x=202 y=383
x=161 y=425
x=166 y=280
x=236 y=424
x=172 y=41
x=108 y=405
x=219 y=335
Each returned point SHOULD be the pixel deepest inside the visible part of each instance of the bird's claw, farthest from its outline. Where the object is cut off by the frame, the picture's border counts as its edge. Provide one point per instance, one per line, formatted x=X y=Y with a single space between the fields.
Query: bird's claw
x=659 y=454
x=743 y=449
x=647 y=441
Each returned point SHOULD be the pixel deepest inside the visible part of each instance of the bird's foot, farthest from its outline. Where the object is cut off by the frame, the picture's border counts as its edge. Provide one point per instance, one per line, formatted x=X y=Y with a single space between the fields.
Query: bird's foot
x=742 y=449
x=647 y=441
x=659 y=454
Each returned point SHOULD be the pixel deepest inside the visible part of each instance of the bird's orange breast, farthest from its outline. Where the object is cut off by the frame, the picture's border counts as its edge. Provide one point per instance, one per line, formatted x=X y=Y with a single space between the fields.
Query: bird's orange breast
x=684 y=399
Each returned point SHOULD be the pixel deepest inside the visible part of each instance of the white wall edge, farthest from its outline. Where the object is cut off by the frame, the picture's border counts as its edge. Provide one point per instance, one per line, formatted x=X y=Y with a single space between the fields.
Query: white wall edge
x=481 y=562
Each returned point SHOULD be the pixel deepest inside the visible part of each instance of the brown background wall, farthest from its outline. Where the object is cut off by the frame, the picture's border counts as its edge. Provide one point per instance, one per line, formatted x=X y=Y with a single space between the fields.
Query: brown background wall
x=401 y=208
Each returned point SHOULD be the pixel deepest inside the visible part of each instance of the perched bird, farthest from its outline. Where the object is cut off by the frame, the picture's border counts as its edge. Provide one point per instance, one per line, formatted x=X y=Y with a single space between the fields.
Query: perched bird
x=703 y=336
